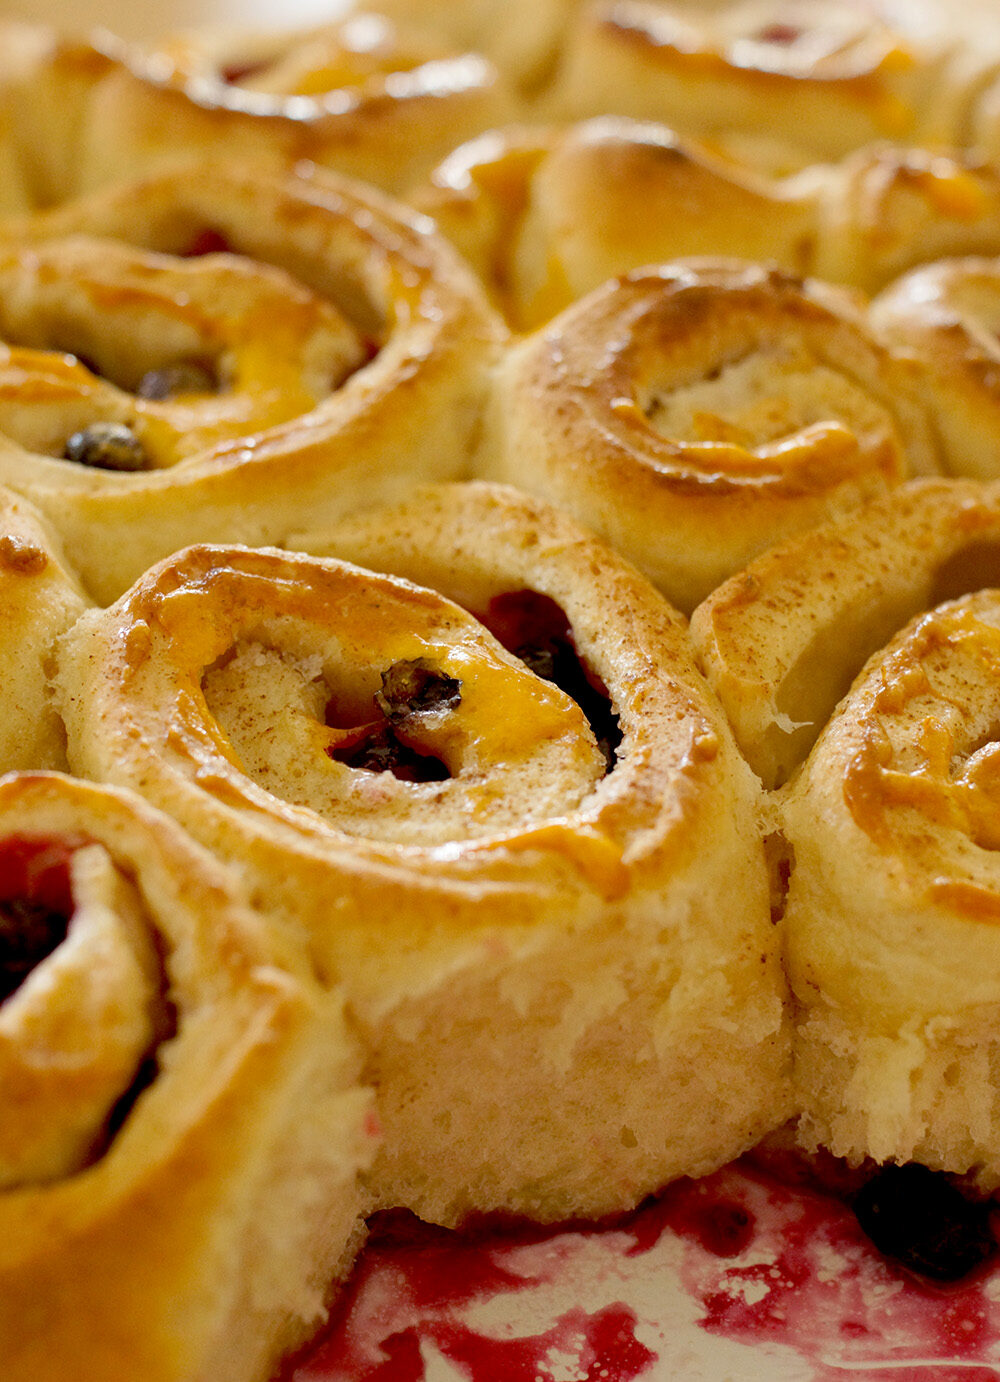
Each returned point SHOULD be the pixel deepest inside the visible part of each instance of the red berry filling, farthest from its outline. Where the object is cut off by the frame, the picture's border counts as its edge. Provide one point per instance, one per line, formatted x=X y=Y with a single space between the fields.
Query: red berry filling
x=535 y=628
x=36 y=904
x=207 y=241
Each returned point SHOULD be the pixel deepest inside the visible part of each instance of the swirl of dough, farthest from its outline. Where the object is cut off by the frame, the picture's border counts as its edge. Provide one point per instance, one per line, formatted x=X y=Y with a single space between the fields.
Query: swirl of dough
x=547 y=215
x=530 y=858
x=781 y=82
x=319 y=349
x=946 y=316
x=179 y=1099
x=782 y=641
x=357 y=96
x=888 y=208
x=697 y=413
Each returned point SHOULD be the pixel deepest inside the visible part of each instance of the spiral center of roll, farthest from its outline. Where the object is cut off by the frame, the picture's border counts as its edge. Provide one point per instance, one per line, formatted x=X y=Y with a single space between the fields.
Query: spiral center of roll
x=75 y=1046
x=36 y=902
x=450 y=739
x=123 y=359
x=777 y=406
x=410 y=690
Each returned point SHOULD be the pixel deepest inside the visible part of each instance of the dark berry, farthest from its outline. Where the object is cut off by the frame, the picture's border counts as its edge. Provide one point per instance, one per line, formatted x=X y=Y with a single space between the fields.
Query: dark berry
x=187 y=376
x=29 y=931
x=107 y=446
x=918 y=1217
x=416 y=688
x=378 y=749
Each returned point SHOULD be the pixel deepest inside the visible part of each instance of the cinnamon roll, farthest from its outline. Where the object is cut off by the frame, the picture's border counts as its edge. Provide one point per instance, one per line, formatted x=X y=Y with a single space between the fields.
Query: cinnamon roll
x=782 y=84
x=39 y=598
x=357 y=96
x=946 y=315
x=216 y=353
x=697 y=413
x=888 y=208
x=782 y=641
x=523 y=841
x=547 y=215
x=182 y=1125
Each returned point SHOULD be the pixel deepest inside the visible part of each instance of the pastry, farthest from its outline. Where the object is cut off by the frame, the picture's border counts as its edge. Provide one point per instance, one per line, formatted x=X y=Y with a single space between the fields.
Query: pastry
x=892 y=904
x=946 y=316
x=696 y=413
x=550 y=914
x=547 y=215
x=182 y=1125
x=782 y=641
x=523 y=46
x=356 y=96
x=782 y=84
x=246 y=348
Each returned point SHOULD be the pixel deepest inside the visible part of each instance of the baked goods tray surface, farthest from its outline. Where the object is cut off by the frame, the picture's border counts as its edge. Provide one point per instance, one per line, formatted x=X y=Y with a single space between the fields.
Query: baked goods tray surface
x=743 y=1276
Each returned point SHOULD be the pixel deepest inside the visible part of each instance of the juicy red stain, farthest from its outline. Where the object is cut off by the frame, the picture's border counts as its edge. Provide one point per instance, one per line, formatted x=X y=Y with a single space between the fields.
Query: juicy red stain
x=763 y=1262
x=36 y=870
x=604 y=1343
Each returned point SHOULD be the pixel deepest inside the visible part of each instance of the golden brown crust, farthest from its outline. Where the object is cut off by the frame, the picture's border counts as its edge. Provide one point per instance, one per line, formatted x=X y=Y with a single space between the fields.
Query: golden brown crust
x=279 y=442
x=786 y=83
x=203 y=1151
x=888 y=208
x=547 y=215
x=888 y=826
x=697 y=413
x=355 y=96
x=898 y=976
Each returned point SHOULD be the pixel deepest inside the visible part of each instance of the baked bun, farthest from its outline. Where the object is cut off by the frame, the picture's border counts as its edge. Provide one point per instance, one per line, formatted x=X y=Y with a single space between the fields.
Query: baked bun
x=550 y=915
x=182 y=1127
x=39 y=598
x=271 y=344
x=547 y=215
x=357 y=96
x=888 y=208
x=782 y=641
x=888 y=830
x=946 y=315
x=783 y=84
x=697 y=413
